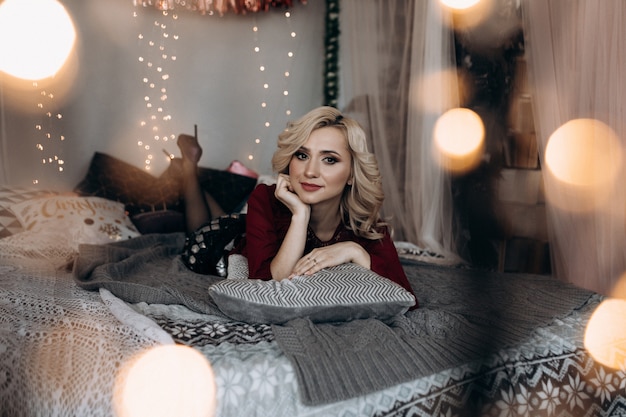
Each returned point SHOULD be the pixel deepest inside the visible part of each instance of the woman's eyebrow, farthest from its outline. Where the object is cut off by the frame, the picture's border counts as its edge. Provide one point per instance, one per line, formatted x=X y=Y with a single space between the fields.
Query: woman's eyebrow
x=326 y=152
x=323 y=151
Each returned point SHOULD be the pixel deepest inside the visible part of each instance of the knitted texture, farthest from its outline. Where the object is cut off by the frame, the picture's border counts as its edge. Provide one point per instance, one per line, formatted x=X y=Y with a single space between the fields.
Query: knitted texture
x=465 y=316
x=145 y=269
x=60 y=346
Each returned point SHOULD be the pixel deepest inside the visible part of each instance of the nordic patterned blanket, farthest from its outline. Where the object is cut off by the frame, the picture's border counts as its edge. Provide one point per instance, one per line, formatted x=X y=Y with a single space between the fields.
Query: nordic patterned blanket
x=465 y=316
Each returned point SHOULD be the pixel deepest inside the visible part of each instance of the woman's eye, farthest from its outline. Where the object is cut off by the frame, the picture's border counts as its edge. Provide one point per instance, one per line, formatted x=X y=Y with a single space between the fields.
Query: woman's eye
x=330 y=160
x=300 y=155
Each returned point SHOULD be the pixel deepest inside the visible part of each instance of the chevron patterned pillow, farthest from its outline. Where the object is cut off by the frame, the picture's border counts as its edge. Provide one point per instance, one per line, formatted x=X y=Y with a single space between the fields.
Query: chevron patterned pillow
x=342 y=293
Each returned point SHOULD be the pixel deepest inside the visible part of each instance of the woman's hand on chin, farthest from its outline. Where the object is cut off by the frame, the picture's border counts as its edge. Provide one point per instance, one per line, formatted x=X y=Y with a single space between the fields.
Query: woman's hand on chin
x=285 y=194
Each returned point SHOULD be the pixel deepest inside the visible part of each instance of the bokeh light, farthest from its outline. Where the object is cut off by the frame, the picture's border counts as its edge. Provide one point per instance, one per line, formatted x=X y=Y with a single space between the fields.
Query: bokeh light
x=459 y=4
x=459 y=140
x=36 y=38
x=583 y=158
x=605 y=336
x=166 y=381
x=619 y=288
x=442 y=90
x=488 y=23
x=468 y=14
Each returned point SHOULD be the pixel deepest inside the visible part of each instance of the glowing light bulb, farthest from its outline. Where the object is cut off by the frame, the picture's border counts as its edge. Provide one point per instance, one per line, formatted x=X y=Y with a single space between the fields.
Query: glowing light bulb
x=605 y=336
x=583 y=159
x=583 y=152
x=442 y=89
x=459 y=140
x=36 y=38
x=460 y=4
x=619 y=289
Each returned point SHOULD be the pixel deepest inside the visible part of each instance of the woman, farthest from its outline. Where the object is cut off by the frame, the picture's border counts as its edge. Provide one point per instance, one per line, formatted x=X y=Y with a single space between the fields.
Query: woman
x=323 y=210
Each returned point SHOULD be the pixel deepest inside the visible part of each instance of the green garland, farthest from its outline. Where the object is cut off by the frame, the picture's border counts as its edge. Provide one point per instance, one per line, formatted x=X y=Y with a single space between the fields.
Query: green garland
x=331 y=43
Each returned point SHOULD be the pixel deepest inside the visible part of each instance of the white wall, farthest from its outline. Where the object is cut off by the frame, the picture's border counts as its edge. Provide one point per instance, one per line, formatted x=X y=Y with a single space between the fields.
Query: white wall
x=215 y=82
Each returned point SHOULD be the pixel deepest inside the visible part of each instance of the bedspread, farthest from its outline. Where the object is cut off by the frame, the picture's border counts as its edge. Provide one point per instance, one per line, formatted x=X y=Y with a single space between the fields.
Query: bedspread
x=465 y=315
x=61 y=348
x=549 y=374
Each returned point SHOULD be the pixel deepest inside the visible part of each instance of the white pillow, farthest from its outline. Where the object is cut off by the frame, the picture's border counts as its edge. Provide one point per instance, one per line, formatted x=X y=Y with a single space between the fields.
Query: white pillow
x=342 y=293
x=92 y=220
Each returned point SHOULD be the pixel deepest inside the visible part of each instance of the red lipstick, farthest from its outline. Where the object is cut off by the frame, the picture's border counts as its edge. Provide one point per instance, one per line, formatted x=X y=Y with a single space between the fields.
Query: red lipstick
x=310 y=187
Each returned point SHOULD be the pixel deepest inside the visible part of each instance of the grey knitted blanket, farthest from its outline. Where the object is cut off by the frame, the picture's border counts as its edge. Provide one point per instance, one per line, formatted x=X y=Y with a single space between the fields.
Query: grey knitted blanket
x=148 y=269
x=464 y=315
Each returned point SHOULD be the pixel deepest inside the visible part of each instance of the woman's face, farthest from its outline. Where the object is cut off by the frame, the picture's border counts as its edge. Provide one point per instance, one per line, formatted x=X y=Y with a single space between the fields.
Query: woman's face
x=321 y=168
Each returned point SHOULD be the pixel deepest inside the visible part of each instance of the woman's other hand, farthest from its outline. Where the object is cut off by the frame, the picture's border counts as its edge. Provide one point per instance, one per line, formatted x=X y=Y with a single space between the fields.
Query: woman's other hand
x=332 y=255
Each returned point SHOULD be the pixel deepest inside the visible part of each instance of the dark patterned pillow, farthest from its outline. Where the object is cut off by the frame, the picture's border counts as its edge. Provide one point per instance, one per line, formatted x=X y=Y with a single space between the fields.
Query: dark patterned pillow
x=9 y=224
x=162 y=221
x=141 y=192
x=230 y=190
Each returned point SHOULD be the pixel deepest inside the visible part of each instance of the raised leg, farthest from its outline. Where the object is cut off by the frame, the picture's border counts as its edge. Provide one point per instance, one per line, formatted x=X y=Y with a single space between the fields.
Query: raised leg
x=200 y=207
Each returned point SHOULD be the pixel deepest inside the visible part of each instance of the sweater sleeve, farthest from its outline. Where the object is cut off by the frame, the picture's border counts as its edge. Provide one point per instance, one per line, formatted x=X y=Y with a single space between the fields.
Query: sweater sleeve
x=385 y=262
x=262 y=240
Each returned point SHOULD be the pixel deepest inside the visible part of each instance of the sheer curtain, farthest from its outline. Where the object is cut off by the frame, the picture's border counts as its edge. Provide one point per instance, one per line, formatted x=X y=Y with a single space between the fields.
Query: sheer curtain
x=394 y=54
x=576 y=54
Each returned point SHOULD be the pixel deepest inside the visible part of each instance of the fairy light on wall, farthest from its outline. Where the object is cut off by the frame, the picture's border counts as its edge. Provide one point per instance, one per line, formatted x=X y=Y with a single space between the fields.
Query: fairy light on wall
x=156 y=58
x=37 y=38
x=45 y=129
x=273 y=113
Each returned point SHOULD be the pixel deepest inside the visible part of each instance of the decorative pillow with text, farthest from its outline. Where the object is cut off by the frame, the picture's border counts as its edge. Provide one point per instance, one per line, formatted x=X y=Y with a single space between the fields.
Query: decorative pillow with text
x=9 y=224
x=92 y=220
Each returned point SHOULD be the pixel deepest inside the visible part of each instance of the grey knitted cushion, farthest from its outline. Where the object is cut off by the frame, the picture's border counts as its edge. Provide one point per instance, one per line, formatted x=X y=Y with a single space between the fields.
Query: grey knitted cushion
x=342 y=293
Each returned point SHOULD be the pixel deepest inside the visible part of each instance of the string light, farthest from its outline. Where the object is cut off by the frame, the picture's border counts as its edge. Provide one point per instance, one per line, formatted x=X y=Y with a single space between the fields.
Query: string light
x=156 y=59
x=279 y=107
x=37 y=38
x=48 y=142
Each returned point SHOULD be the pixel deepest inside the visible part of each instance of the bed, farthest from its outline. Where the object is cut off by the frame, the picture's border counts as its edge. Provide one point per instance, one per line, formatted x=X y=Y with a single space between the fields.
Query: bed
x=81 y=295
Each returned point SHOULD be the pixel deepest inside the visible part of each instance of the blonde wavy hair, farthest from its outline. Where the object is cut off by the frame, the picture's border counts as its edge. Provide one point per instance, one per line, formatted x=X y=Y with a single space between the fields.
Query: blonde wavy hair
x=361 y=201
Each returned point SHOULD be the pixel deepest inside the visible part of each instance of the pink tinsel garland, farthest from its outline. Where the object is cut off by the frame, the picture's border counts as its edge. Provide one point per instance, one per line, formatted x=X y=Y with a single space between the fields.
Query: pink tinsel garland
x=218 y=6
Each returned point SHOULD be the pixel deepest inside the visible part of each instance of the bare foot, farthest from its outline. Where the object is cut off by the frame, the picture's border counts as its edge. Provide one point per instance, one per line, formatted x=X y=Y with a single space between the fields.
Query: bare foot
x=189 y=148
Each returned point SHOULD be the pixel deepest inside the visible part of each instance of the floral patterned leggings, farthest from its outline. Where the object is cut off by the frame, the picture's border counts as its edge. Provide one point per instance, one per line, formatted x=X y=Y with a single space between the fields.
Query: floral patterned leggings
x=206 y=248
